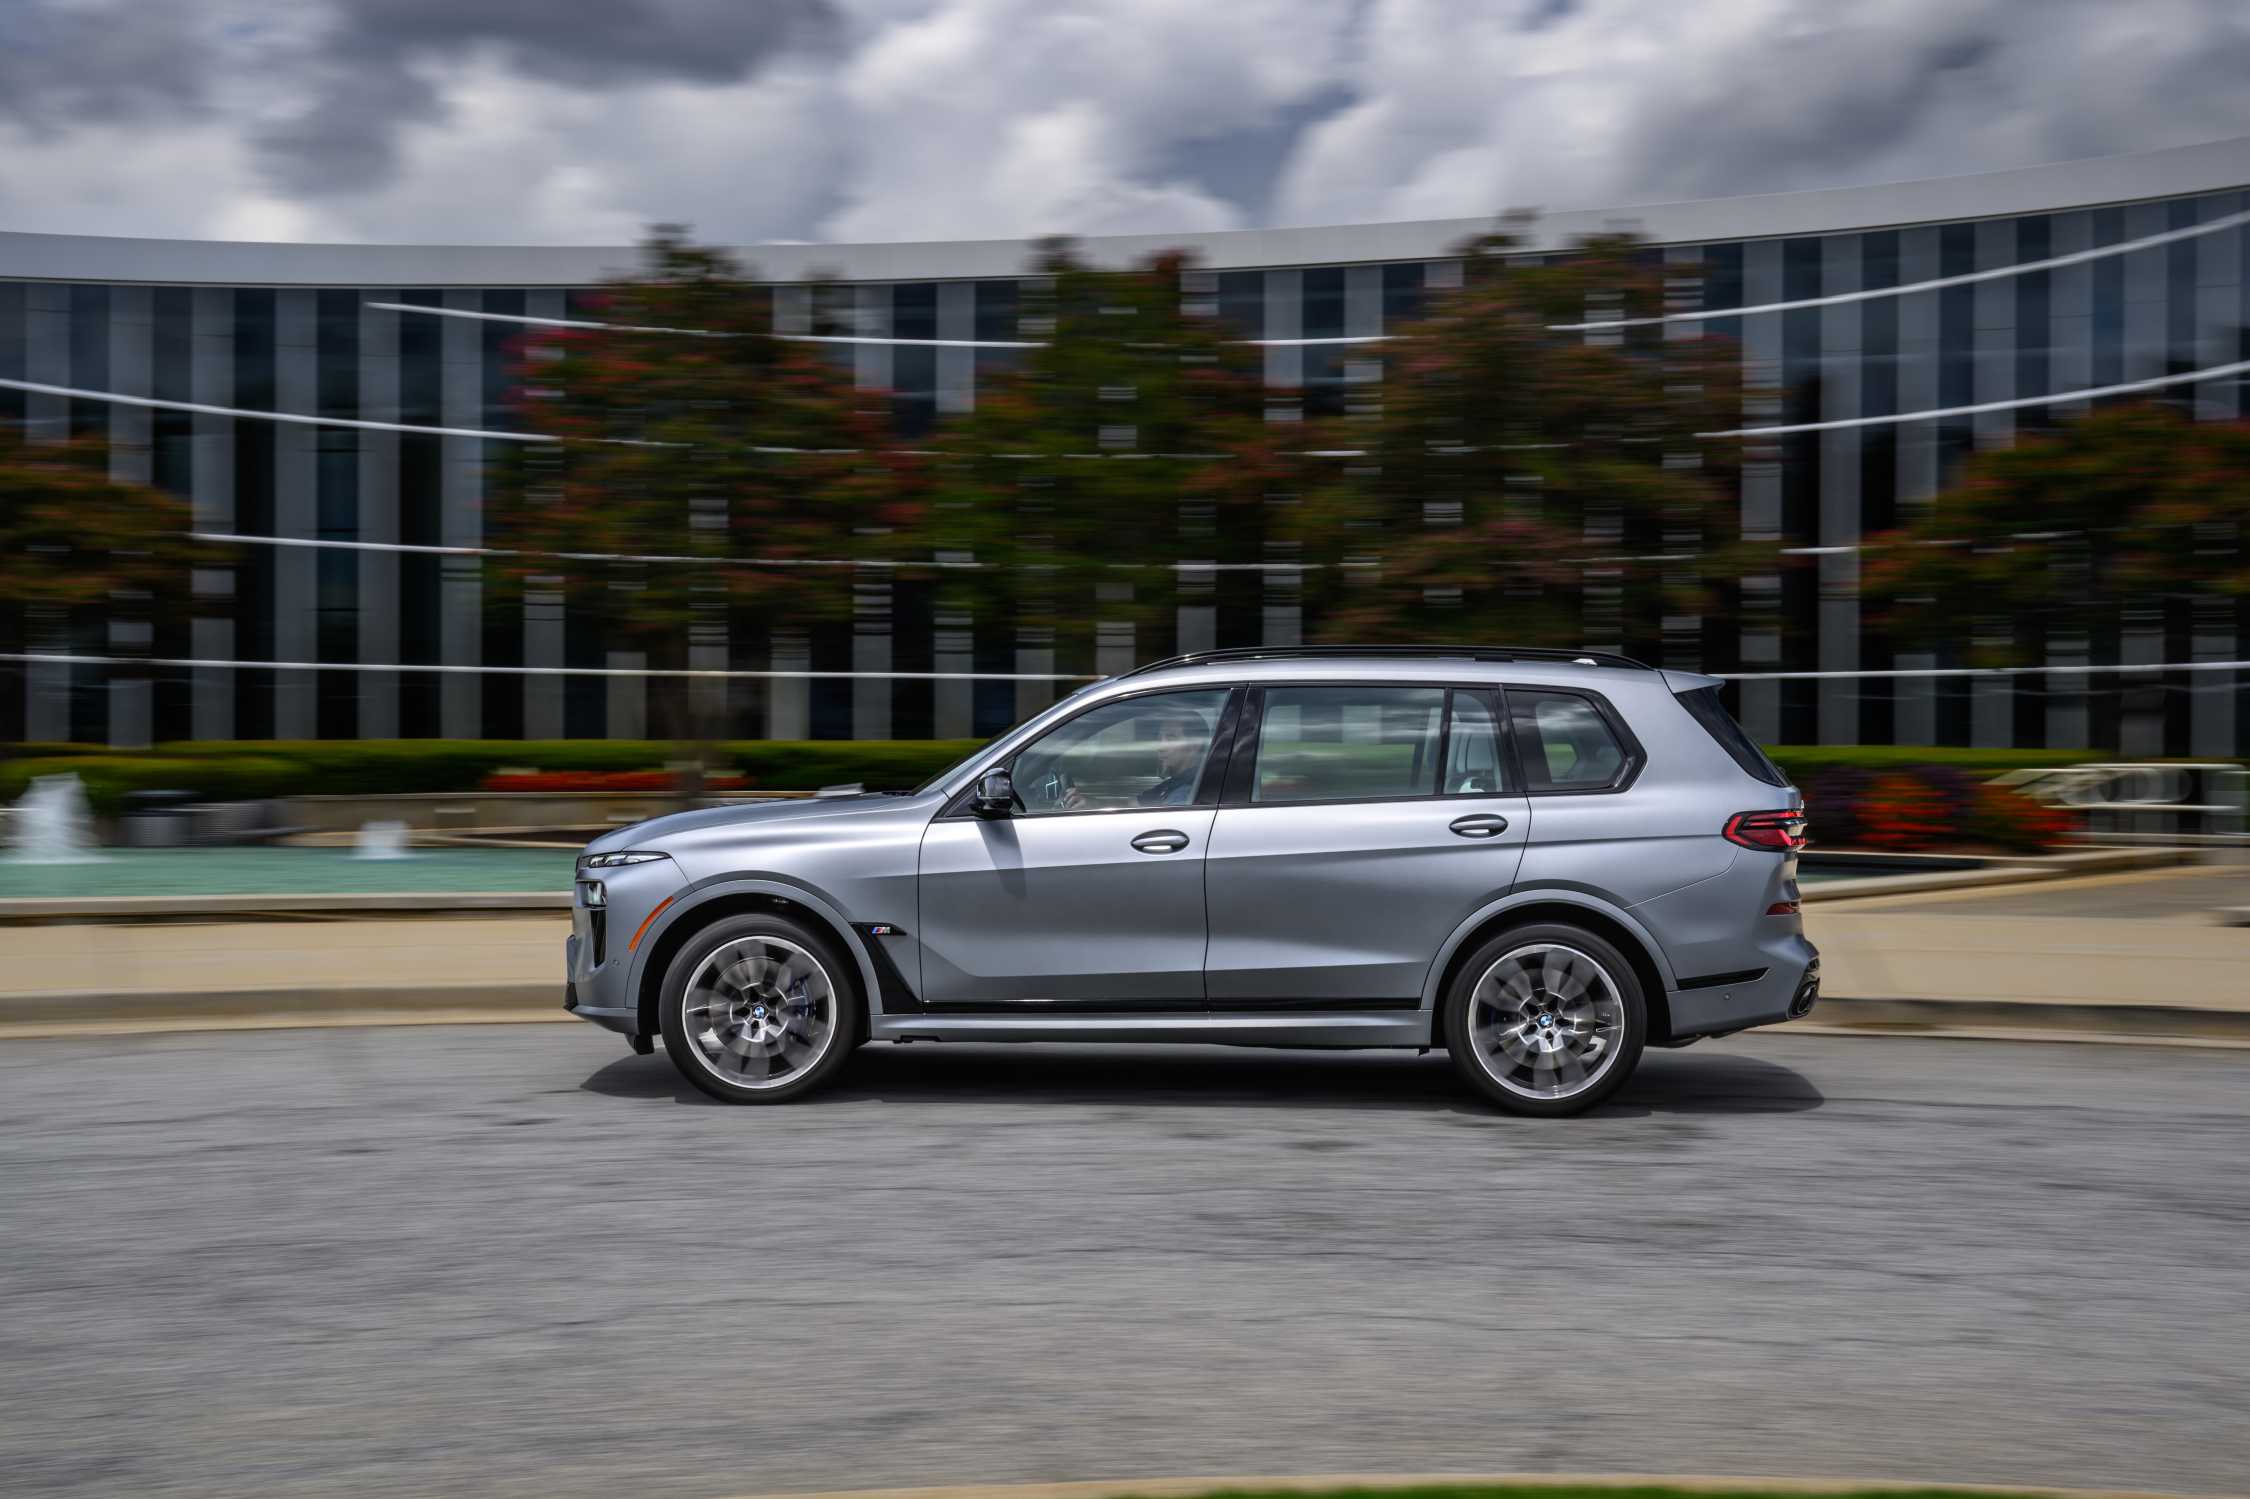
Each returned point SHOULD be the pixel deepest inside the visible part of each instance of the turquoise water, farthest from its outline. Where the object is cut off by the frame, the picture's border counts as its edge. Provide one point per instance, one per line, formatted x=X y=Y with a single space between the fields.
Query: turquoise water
x=286 y=871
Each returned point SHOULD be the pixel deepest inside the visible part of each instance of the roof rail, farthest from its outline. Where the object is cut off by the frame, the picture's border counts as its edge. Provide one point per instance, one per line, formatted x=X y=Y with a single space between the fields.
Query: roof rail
x=1397 y=652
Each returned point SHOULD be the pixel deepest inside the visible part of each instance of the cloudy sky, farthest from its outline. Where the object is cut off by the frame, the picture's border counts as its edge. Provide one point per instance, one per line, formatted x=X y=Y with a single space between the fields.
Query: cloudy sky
x=581 y=121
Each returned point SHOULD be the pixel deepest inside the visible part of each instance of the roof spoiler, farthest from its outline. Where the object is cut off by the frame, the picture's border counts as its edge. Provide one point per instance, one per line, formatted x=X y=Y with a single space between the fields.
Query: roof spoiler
x=1689 y=681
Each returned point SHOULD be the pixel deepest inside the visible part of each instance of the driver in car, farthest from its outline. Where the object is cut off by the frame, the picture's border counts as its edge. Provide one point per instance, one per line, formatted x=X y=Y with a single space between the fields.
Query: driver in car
x=1181 y=740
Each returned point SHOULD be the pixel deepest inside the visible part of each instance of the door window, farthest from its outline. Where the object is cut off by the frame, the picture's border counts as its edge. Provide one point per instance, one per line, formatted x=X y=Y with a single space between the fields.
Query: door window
x=1474 y=760
x=1565 y=742
x=1348 y=743
x=1139 y=752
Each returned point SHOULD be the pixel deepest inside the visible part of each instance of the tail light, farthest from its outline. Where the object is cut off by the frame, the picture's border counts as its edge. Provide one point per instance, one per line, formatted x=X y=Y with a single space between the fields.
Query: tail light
x=1777 y=832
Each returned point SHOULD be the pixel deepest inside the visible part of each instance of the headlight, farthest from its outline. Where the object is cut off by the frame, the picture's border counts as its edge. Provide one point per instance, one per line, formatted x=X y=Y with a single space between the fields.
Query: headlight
x=616 y=861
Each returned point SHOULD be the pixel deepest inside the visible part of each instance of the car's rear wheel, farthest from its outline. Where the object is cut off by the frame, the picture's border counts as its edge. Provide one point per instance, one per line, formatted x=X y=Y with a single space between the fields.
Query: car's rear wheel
x=1546 y=1019
x=758 y=1009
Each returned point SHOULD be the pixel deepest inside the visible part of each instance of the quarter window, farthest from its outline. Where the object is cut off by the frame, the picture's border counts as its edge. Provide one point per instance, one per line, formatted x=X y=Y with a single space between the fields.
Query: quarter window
x=1348 y=743
x=1474 y=759
x=1565 y=743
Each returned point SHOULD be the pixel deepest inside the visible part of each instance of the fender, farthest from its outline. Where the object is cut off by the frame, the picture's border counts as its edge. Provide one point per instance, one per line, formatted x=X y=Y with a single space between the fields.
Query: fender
x=1550 y=895
x=694 y=897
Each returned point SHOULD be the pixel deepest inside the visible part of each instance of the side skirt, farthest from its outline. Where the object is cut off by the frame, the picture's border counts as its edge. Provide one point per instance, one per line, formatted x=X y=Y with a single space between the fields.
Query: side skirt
x=1263 y=1028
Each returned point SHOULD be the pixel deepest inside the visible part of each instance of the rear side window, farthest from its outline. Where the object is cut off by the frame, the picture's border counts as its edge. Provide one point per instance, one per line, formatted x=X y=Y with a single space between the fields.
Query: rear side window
x=1704 y=707
x=1564 y=742
x=1348 y=743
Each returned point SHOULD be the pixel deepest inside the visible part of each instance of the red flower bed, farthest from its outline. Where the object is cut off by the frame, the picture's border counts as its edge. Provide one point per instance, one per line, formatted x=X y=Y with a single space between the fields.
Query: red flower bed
x=1929 y=809
x=571 y=782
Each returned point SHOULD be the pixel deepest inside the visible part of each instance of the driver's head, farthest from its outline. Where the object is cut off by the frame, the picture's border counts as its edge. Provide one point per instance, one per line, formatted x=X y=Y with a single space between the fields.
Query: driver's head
x=1180 y=739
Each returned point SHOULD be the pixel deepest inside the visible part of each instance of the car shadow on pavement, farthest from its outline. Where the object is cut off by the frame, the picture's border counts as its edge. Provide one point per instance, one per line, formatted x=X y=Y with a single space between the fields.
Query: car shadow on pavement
x=1696 y=1082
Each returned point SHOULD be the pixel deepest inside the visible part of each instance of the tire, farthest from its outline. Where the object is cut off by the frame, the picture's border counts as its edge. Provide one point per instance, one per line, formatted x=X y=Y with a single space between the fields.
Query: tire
x=759 y=1009
x=1546 y=1019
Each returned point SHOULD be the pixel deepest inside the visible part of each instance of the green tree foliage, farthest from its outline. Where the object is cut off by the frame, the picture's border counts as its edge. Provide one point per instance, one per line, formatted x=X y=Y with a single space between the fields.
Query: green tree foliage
x=687 y=432
x=1494 y=458
x=1132 y=438
x=2134 y=505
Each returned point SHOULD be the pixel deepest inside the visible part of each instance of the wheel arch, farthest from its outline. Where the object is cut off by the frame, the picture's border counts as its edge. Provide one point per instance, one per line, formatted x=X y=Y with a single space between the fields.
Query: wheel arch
x=1604 y=920
x=697 y=907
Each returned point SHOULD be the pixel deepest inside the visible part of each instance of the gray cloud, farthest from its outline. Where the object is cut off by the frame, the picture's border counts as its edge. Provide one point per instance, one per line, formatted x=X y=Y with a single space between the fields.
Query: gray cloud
x=584 y=120
x=63 y=62
x=368 y=73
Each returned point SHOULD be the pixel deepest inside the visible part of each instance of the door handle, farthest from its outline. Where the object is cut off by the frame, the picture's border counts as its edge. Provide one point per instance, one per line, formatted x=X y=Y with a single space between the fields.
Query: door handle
x=1162 y=841
x=1480 y=825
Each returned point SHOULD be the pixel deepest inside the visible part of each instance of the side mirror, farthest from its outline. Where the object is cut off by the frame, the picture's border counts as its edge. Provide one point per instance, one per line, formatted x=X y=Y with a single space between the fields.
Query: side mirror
x=995 y=795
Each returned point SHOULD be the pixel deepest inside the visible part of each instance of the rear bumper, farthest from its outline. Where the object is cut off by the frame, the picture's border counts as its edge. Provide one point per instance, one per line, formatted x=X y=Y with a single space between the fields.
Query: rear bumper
x=1786 y=989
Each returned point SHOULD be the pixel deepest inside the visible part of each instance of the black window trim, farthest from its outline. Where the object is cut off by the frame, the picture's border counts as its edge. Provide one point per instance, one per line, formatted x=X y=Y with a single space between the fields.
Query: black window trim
x=956 y=808
x=1636 y=758
x=1242 y=770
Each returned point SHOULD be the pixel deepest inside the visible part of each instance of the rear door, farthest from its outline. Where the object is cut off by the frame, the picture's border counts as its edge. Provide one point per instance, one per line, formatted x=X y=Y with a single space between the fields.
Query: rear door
x=1361 y=824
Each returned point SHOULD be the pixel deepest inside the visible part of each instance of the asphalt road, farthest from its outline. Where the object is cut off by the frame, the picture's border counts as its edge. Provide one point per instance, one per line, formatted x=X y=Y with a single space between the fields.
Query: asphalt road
x=515 y=1260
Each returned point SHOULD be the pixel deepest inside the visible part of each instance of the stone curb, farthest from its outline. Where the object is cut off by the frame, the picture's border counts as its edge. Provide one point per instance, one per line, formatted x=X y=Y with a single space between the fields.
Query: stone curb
x=84 y=1011
x=1190 y=1488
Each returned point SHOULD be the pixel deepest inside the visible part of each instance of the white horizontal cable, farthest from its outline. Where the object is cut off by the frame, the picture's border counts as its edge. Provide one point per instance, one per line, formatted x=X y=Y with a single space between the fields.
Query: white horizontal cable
x=49 y=658
x=420 y=549
x=1967 y=278
x=2052 y=398
x=1979 y=671
x=2057 y=398
x=292 y=417
x=817 y=338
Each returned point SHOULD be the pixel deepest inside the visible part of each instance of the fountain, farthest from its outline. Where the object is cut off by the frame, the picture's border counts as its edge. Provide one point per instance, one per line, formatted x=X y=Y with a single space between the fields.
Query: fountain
x=51 y=824
x=381 y=840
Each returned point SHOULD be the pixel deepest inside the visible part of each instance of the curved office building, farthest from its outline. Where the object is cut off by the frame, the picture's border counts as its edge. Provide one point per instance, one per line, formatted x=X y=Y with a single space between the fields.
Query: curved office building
x=2112 y=271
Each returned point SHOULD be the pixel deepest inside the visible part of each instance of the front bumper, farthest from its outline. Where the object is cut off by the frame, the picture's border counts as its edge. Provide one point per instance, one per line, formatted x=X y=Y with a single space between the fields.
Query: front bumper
x=626 y=1022
x=1787 y=989
x=598 y=955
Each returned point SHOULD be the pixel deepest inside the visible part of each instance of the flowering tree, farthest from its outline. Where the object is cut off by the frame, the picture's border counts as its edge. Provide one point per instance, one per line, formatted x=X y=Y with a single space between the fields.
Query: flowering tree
x=701 y=469
x=1132 y=437
x=80 y=550
x=1503 y=481
x=2133 y=505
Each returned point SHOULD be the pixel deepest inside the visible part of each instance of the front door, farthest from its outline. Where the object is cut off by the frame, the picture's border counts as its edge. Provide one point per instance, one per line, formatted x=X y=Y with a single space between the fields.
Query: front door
x=1091 y=895
x=1371 y=823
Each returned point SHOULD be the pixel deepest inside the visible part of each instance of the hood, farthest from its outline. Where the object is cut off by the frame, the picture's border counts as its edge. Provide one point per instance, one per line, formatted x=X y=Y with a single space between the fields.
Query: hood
x=747 y=816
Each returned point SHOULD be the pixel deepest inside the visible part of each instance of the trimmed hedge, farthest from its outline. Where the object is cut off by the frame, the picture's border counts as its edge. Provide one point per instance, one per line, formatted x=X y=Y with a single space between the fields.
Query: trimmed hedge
x=219 y=770
x=222 y=770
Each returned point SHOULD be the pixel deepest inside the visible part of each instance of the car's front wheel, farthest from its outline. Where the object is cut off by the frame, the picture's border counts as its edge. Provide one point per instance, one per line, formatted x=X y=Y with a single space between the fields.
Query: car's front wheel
x=1546 y=1019
x=758 y=1009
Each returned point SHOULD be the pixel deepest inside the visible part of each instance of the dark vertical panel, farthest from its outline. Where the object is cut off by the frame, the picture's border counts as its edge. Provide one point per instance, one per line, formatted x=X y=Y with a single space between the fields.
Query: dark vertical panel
x=1404 y=293
x=1322 y=316
x=2109 y=299
x=89 y=358
x=503 y=697
x=336 y=481
x=1956 y=437
x=1801 y=379
x=254 y=508
x=1878 y=468
x=420 y=495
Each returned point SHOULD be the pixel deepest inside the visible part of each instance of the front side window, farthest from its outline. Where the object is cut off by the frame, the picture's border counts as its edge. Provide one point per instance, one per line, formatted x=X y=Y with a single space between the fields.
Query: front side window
x=1348 y=743
x=1565 y=742
x=1139 y=752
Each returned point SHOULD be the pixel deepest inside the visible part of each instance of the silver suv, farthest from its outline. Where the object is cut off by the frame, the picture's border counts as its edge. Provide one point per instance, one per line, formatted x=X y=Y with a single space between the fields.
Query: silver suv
x=1539 y=860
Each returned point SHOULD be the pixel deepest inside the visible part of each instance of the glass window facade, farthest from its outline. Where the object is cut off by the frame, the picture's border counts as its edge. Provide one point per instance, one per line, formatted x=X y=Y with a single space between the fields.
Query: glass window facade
x=2114 y=318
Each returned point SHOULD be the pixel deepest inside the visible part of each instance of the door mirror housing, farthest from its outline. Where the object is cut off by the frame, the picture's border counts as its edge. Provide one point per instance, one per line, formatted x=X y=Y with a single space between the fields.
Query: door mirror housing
x=995 y=795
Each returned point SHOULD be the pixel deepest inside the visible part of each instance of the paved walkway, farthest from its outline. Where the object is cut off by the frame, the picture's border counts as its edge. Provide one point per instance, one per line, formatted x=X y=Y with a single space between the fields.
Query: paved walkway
x=2158 y=945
